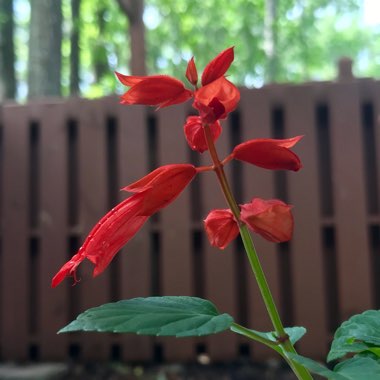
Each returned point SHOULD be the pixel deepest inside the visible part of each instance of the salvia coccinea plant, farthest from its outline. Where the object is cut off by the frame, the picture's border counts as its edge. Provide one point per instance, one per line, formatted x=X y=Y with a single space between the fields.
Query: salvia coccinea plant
x=214 y=97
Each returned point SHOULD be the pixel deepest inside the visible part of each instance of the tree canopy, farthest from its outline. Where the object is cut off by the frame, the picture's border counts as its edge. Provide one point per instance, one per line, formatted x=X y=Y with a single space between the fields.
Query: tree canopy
x=275 y=41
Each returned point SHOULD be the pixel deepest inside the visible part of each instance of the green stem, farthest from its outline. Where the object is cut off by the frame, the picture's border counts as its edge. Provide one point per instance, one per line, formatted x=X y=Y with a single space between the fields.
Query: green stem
x=301 y=372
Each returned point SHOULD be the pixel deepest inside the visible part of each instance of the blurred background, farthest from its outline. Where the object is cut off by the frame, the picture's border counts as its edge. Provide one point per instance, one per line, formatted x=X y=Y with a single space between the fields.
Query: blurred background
x=72 y=47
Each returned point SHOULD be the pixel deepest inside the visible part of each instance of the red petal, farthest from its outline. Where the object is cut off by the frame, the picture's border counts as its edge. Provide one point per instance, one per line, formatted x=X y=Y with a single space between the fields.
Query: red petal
x=191 y=72
x=269 y=153
x=162 y=186
x=157 y=90
x=68 y=269
x=216 y=100
x=221 y=228
x=272 y=219
x=195 y=136
x=218 y=66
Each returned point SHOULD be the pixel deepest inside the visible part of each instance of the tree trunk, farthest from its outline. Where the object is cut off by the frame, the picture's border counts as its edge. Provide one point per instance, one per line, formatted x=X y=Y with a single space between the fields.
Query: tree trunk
x=134 y=10
x=7 y=53
x=74 y=48
x=44 y=75
x=270 y=40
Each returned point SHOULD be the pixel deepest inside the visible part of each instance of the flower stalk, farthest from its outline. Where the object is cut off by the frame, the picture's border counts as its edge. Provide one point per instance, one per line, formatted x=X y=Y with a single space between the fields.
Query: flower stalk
x=301 y=372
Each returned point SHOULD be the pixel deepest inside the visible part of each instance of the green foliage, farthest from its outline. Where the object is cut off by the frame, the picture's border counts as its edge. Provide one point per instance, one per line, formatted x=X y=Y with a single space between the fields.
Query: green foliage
x=359 y=336
x=161 y=316
x=357 y=368
x=360 y=333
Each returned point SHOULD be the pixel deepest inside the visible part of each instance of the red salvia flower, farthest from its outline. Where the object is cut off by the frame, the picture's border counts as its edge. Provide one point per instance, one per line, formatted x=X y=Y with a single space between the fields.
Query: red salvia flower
x=218 y=66
x=155 y=90
x=272 y=219
x=269 y=153
x=221 y=228
x=216 y=100
x=153 y=192
x=191 y=72
x=194 y=133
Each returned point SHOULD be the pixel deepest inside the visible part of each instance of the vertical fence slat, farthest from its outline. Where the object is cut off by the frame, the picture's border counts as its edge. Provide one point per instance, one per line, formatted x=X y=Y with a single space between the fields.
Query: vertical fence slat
x=135 y=258
x=306 y=250
x=93 y=205
x=349 y=198
x=15 y=260
x=175 y=226
x=52 y=308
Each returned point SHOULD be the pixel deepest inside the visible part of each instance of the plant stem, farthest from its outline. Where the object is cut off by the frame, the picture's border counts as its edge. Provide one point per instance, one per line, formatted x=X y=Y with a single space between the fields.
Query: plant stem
x=301 y=372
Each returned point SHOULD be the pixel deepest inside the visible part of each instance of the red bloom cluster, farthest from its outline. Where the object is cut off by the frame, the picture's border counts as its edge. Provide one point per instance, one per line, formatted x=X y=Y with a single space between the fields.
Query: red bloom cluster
x=214 y=100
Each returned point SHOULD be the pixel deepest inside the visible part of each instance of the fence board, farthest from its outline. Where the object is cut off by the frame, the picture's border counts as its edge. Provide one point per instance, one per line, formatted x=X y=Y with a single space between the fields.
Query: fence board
x=307 y=269
x=349 y=200
x=52 y=302
x=15 y=279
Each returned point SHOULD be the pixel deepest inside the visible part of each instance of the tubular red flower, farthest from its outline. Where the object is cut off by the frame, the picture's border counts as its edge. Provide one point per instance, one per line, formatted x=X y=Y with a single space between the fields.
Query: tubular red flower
x=155 y=90
x=216 y=100
x=272 y=219
x=221 y=228
x=269 y=153
x=118 y=226
x=111 y=233
x=194 y=133
x=191 y=72
x=162 y=186
x=218 y=66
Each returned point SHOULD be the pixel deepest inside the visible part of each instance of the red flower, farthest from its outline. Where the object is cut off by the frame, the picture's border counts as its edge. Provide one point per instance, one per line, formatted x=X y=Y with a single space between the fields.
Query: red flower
x=118 y=226
x=216 y=100
x=195 y=135
x=162 y=186
x=155 y=90
x=272 y=219
x=269 y=153
x=221 y=228
x=218 y=66
x=111 y=233
x=191 y=72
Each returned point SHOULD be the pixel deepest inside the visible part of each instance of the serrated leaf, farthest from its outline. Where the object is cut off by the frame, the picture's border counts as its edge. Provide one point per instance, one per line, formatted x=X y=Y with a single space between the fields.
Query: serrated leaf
x=356 y=334
x=160 y=316
x=359 y=368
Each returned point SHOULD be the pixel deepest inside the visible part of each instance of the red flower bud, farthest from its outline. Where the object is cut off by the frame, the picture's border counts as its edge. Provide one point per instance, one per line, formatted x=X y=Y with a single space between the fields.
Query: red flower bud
x=269 y=153
x=221 y=228
x=155 y=90
x=195 y=135
x=218 y=66
x=272 y=219
x=216 y=100
x=191 y=72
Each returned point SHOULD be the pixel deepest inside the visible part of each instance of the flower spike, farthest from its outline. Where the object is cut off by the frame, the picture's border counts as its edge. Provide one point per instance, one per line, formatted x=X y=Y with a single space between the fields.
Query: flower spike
x=191 y=72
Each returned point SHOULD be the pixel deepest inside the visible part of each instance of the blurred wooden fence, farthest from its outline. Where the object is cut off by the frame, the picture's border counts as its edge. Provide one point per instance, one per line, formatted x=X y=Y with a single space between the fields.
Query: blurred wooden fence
x=63 y=163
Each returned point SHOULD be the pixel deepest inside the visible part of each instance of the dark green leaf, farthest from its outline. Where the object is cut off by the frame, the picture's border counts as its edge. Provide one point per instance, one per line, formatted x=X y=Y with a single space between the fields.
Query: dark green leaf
x=356 y=335
x=359 y=368
x=161 y=316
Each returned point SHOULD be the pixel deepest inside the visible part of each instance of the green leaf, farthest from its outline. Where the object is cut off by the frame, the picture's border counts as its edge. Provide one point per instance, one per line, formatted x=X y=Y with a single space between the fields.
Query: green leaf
x=160 y=316
x=359 y=368
x=316 y=367
x=356 y=334
x=295 y=333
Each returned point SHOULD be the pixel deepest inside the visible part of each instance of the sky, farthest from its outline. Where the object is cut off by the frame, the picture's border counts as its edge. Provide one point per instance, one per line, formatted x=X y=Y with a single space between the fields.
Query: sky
x=371 y=13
